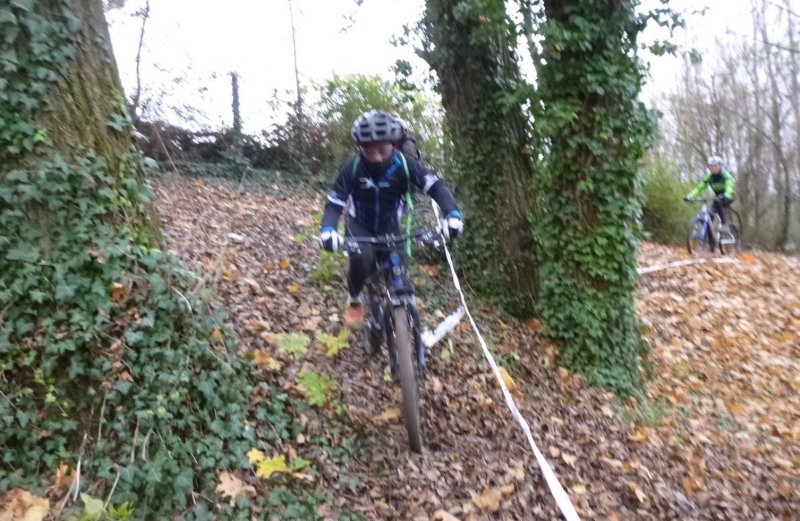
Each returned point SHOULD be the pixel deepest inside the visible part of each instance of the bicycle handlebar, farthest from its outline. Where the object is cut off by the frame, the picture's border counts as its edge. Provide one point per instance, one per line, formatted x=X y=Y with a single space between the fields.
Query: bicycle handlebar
x=429 y=236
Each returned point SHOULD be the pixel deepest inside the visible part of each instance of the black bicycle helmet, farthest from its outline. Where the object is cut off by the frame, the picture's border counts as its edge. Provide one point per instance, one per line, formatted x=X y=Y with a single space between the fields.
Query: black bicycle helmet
x=374 y=126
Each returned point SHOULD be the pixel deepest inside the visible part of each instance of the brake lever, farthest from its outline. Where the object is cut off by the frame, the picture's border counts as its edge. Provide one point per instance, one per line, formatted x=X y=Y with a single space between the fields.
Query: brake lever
x=431 y=238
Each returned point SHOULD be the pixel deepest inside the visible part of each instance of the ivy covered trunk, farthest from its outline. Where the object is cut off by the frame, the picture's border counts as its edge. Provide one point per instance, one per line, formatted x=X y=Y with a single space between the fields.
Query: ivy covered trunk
x=102 y=341
x=594 y=132
x=468 y=45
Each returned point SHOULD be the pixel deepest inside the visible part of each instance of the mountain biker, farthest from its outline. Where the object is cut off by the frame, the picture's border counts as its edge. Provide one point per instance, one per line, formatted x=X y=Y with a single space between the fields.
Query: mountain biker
x=721 y=182
x=372 y=185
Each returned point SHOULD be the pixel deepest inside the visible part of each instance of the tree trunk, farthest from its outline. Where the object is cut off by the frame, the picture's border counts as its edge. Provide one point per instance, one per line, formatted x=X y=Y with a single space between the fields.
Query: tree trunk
x=102 y=341
x=480 y=87
x=87 y=111
x=592 y=131
x=782 y=176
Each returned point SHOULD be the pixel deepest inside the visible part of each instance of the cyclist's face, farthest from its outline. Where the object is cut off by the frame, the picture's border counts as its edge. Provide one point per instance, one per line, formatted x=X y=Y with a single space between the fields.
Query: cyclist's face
x=377 y=152
x=715 y=168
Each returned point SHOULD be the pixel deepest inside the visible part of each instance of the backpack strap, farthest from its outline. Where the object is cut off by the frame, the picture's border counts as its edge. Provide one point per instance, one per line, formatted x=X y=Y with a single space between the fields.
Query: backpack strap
x=409 y=201
x=355 y=167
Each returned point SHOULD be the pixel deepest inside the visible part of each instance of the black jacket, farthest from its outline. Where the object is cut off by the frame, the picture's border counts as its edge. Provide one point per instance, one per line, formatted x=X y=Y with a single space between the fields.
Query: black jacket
x=377 y=201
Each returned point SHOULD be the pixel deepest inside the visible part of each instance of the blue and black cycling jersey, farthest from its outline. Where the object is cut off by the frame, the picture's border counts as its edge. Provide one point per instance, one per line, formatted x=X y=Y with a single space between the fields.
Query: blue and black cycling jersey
x=376 y=199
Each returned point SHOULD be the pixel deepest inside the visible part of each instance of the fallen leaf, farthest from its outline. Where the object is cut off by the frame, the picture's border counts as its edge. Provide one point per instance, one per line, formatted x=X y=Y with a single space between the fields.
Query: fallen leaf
x=294 y=343
x=255 y=288
x=21 y=505
x=639 y=434
x=257 y=325
x=63 y=478
x=231 y=486
x=311 y=325
x=254 y=456
x=508 y=380
x=534 y=324
x=736 y=409
x=284 y=264
x=443 y=515
x=268 y=467
x=579 y=489
x=118 y=291
x=489 y=499
x=432 y=270
x=304 y=310
x=334 y=343
x=317 y=387
x=568 y=459
x=263 y=360
x=216 y=335
x=392 y=413
x=637 y=493
x=293 y=288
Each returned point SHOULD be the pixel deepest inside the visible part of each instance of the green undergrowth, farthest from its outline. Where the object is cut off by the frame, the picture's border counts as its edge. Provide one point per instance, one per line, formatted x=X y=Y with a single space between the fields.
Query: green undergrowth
x=236 y=173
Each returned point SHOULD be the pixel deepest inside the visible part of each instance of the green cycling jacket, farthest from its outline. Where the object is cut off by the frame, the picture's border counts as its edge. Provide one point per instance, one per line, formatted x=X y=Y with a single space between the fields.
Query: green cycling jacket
x=721 y=184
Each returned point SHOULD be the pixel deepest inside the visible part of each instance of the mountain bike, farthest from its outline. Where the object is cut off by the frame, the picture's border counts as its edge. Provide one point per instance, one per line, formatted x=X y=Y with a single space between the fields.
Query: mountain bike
x=708 y=232
x=391 y=313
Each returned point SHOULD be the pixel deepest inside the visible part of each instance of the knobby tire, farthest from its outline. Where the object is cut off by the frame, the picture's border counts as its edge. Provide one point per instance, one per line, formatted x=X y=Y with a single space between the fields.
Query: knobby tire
x=404 y=344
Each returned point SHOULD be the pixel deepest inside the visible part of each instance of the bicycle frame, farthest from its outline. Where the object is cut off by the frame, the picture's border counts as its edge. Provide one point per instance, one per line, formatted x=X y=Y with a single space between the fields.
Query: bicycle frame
x=390 y=285
x=704 y=217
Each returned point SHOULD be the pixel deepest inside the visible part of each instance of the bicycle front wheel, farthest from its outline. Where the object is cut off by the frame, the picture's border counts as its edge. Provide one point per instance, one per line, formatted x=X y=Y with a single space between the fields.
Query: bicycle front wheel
x=404 y=343
x=697 y=240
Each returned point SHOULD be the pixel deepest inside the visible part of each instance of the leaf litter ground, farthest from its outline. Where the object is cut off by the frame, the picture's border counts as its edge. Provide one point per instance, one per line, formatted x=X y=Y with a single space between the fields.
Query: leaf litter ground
x=715 y=436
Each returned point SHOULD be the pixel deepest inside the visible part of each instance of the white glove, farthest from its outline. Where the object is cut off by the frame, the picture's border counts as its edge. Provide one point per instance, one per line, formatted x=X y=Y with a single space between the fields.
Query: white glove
x=330 y=239
x=451 y=226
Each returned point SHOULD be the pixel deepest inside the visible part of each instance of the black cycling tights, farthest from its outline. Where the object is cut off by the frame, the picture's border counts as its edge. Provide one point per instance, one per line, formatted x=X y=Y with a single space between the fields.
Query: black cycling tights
x=362 y=265
x=720 y=203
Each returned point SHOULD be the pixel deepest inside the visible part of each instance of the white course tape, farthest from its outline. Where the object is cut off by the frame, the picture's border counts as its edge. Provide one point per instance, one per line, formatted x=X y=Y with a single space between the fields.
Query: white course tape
x=678 y=264
x=431 y=337
x=561 y=497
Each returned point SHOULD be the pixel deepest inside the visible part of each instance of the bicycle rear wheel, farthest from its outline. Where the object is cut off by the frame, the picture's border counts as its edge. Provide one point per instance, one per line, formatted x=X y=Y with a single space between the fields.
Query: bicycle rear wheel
x=404 y=343
x=729 y=242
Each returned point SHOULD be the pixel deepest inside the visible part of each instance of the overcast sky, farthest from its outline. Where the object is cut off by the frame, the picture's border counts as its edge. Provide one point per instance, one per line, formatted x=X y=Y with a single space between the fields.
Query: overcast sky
x=202 y=40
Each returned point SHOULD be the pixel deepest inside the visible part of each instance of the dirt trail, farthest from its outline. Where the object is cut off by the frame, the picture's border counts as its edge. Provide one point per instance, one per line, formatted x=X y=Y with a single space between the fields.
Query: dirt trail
x=719 y=439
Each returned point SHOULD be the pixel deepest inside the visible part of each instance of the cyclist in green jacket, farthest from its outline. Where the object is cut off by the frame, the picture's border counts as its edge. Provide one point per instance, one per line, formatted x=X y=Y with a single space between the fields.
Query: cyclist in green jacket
x=721 y=182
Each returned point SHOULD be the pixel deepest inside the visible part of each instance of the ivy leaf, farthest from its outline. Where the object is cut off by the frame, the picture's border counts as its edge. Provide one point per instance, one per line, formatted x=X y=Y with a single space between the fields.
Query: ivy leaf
x=25 y=5
x=334 y=343
x=268 y=467
x=294 y=343
x=317 y=387
x=25 y=253
x=92 y=507
x=64 y=292
x=300 y=463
